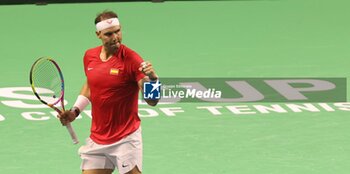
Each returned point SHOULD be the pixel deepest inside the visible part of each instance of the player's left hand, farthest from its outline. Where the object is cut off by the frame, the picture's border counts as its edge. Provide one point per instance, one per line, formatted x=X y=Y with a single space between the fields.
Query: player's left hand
x=147 y=69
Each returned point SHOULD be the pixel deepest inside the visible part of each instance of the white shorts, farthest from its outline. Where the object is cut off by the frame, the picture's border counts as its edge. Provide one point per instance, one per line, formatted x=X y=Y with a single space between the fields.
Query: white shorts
x=123 y=155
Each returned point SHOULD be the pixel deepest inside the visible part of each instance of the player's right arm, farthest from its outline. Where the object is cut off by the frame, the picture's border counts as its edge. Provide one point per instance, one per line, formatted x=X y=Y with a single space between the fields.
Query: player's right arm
x=82 y=101
x=85 y=90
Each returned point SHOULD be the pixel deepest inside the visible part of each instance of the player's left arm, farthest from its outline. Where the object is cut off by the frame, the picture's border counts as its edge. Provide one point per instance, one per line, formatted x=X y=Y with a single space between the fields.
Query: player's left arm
x=147 y=69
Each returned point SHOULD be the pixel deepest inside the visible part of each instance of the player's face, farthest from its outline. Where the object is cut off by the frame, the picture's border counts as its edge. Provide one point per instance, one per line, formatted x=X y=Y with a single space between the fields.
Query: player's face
x=111 y=37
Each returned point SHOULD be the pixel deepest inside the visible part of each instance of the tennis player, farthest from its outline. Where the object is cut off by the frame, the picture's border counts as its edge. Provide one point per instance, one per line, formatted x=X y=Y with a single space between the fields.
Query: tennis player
x=115 y=74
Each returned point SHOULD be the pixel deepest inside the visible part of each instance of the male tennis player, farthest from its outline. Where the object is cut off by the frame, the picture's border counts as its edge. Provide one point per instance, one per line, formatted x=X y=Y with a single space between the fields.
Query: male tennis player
x=115 y=74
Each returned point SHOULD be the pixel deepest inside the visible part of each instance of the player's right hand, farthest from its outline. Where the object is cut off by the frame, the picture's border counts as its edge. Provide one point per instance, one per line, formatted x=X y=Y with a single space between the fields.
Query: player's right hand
x=67 y=117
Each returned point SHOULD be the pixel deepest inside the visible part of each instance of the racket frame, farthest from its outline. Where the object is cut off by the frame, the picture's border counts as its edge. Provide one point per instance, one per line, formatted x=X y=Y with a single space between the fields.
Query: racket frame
x=60 y=99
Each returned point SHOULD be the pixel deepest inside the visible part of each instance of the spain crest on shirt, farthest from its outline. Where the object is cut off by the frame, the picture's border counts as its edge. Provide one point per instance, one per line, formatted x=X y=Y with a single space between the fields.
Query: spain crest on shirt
x=114 y=71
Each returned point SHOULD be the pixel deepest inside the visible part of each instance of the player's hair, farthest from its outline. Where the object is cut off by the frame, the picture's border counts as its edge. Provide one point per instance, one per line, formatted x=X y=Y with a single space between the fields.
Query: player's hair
x=105 y=15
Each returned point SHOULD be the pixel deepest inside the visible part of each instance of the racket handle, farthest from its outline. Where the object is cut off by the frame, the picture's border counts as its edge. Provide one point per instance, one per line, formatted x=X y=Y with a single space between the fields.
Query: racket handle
x=72 y=133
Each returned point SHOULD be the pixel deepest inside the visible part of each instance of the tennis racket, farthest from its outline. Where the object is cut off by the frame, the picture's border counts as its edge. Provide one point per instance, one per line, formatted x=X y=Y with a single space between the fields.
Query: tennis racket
x=47 y=83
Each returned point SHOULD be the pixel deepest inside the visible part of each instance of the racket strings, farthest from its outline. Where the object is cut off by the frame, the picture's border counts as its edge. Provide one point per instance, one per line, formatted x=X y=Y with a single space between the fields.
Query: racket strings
x=46 y=75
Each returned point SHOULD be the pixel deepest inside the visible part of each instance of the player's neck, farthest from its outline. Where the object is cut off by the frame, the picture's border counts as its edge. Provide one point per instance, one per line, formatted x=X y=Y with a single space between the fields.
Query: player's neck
x=106 y=53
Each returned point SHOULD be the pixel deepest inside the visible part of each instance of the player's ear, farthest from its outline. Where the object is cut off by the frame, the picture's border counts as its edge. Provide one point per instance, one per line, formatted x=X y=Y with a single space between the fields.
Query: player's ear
x=98 y=34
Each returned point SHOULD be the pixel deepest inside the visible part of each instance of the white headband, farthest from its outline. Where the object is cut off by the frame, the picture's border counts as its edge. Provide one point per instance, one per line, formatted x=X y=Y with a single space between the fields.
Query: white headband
x=107 y=23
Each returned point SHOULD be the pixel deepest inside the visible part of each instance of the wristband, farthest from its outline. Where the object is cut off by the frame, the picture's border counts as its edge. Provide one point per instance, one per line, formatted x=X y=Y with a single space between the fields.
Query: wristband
x=81 y=103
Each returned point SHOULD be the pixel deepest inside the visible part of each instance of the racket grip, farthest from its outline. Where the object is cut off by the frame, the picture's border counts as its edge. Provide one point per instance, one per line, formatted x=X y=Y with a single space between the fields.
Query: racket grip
x=72 y=133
